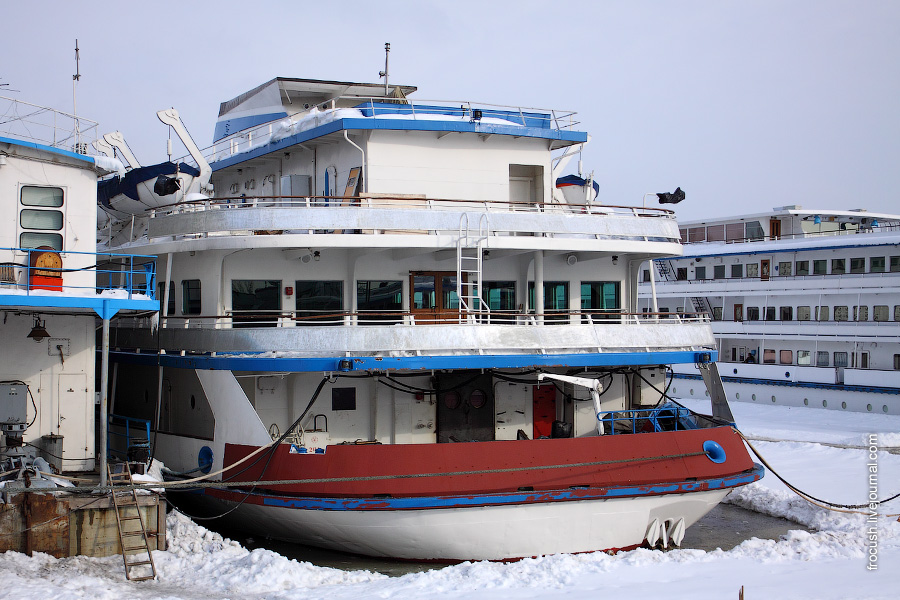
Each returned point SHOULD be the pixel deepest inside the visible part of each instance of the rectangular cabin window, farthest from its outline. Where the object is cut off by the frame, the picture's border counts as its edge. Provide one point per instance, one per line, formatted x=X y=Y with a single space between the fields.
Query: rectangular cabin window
x=681 y=273
x=753 y=270
x=700 y=273
x=895 y=264
x=840 y=359
x=802 y=267
x=787 y=313
x=41 y=222
x=860 y=313
x=755 y=232
x=880 y=312
x=600 y=299
x=500 y=296
x=753 y=313
x=841 y=313
x=897 y=312
x=769 y=356
x=803 y=313
x=161 y=295
x=645 y=275
x=820 y=267
x=804 y=357
x=857 y=265
x=378 y=300
x=784 y=269
x=256 y=302
x=876 y=264
x=697 y=234
x=770 y=313
x=822 y=358
x=734 y=232
x=822 y=313
x=190 y=297
x=556 y=299
x=715 y=233
x=737 y=271
x=838 y=266
x=319 y=302
x=717 y=313
x=786 y=357
x=719 y=272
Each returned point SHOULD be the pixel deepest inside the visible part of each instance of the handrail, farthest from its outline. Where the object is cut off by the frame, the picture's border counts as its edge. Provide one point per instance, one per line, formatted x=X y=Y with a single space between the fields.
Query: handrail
x=33 y=124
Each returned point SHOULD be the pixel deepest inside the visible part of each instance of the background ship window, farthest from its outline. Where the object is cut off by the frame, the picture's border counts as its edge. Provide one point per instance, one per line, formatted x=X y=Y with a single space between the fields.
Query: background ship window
x=700 y=273
x=697 y=234
x=880 y=312
x=343 y=398
x=803 y=313
x=838 y=266
x=840 y=359
x=161 y=294
x=717 y=313
x=820 y=267
x=477 y=399
x=737 y=270
x=895 y=264
x=753 y=313
x=256 y=302
x=319 y=302
x=715 y=233
x=896 y=312
x=784 y=269
x=821 y=358
x=787 y=313
x=681 y=273
x=860 y=313
x=452 y=400
x=600 y=299
x=684 y=235
x=645 y=276
x=802 y=267
x=770 y=313
x=876 y=264
x=734 y=232
x=753 y=270
x=841 y=313
x=190 y=297
x=786 y=357
x=376 y=296
x=804 y=357
x=857 y=265
x=719 y=272
x=896 y=363
x=822 y=313
x=769 y=356
x=755 y=231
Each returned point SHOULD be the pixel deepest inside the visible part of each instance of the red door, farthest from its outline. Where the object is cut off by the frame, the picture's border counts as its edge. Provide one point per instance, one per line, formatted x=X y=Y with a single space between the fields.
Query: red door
x=544 y=410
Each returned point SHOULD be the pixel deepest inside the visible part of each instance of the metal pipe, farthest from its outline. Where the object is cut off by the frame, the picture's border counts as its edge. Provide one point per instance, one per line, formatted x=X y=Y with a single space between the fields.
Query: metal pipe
x=365 y=181
x=104 y=398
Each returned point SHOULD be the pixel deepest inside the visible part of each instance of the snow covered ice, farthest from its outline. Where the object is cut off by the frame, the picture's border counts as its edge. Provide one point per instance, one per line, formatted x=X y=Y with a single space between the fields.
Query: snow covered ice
x=828 y=562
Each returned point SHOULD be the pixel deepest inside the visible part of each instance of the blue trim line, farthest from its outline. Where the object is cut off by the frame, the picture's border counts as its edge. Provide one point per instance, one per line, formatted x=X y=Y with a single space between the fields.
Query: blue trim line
x=51 y=149
x=367 y=363
x=501 y=499
x=226 y=127
x=105 y=307
x=799 y=384
x=371 y=124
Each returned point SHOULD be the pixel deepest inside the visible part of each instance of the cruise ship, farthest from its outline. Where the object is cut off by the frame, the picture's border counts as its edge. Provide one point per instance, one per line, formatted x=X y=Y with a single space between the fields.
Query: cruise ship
x=385 y=330
x=805 y=306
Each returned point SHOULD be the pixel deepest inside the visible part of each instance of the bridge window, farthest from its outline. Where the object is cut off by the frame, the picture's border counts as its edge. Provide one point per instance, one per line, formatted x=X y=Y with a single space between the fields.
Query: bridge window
x=41 y=222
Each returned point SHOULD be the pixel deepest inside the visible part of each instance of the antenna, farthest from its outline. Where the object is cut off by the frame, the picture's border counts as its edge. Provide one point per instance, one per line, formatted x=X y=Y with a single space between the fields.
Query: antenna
x=387 y=51
x=75 y=79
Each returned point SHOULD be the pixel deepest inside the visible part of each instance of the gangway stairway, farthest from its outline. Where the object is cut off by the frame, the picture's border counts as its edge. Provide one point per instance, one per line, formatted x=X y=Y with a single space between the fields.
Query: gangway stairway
x=133 y=536
x=470 y=245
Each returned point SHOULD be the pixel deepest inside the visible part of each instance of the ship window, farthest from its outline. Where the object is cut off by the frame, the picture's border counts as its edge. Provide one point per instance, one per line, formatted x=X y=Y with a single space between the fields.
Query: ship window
x=897 y=362
x=319 y=302
x=645 y=275
x=857 y=265
x=784 y=269
x=600 y=298
x=715 y=233
x=880 y=312
x=804 y=357
x=256 y=302
x=719 y=272
x=821 y=358
x=769 y=356
x=786 y=357
x=822 y=313
x=343 y=398
x=190 y=297
x=755 y=231
x=841 y=313
x=30 y=239
x=787 y=313
x=556 y=299
x=803 y=313
x=681 y=273
x=896 y=312
x=49 y=197
x=30 y=218
x=770 y=313
x=734 y=232
x=838 y=266
x=664 y=310
x=717 y=313
x=697 y=234
x=737 y=270
x=895 y=264
x=840 y=359
x=860 y=313
x=820 y=267
x=876 y=264
x=41 y=221
x=802 y=267
x=500 y=295
x=753 y=270
x=684 y=235
x=753 y=313
x=700 y=273
x=380 y=299
x=477 y=399
x=161 y=294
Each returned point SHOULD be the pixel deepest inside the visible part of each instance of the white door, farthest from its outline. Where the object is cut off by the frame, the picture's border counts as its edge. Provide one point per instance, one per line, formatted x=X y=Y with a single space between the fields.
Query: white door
x=75 y=421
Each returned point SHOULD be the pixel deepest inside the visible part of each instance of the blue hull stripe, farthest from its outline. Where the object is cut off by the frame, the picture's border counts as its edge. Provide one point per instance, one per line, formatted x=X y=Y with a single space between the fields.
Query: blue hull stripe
x=800 y=384
x=504 y=499
x=367 y=363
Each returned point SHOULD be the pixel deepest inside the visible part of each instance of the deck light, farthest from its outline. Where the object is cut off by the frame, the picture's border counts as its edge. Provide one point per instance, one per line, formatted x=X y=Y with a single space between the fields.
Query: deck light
x=38 y=331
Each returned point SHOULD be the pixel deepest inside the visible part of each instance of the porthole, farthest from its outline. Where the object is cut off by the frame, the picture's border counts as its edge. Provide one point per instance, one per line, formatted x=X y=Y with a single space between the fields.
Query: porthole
x=452 y=400
x=707 y=393
x=735 y=371
x=737 y=396
x=884 y=408
x=773 y=398
x=787 y=374
x=869 y=407
x=843 y=405
x=754 y=397
x=806 y=402
x=824 y=403
x=193 y=402
x=692 y=391
x=477 y=399
x=674 y=390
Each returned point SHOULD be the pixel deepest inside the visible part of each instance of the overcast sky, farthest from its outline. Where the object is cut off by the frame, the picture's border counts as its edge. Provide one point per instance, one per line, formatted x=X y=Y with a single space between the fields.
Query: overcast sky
x=746 y=105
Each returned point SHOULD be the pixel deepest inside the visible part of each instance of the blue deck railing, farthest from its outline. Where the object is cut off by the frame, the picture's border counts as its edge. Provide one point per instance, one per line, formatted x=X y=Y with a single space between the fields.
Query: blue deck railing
x=125 y=433
x=668 y=417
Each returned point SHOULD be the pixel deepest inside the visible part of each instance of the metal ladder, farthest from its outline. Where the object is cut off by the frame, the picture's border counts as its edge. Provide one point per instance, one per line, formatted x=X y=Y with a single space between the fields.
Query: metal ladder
x=133 y=537
x=470 y=246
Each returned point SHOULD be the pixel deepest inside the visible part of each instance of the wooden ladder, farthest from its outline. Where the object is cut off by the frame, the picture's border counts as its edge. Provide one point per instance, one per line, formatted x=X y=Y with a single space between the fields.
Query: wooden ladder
x=133 y=536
